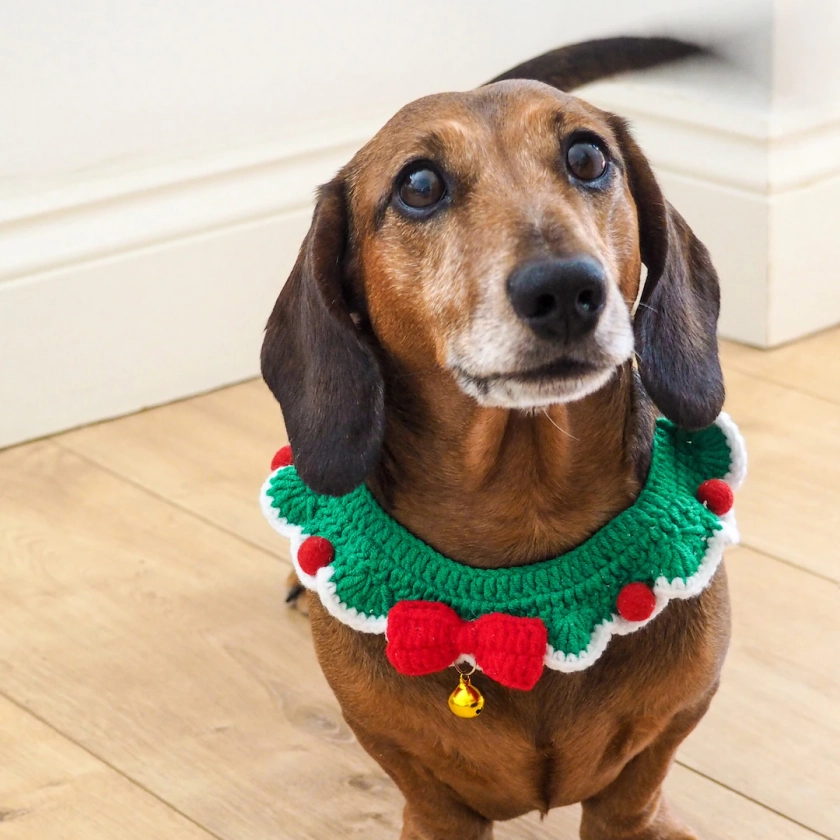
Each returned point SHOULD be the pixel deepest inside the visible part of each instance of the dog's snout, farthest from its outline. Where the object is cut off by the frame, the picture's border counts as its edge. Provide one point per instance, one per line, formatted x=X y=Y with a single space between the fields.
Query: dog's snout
x=559 y=298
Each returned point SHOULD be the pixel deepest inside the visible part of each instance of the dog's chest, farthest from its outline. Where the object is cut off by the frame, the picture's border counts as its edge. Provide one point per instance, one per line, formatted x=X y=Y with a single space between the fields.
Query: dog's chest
x=557 y=744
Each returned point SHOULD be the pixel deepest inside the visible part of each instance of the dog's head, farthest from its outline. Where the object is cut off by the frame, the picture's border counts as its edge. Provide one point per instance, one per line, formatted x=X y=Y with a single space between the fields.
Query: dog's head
x=496 y=236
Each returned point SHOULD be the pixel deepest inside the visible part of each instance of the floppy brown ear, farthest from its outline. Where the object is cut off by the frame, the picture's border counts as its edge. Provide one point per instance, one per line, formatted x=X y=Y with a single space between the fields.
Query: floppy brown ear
x=317 y=364
x=676 y=323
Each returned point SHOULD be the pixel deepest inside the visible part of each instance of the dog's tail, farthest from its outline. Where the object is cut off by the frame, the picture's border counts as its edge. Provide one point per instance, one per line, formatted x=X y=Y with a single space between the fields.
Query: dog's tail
x=570 y=67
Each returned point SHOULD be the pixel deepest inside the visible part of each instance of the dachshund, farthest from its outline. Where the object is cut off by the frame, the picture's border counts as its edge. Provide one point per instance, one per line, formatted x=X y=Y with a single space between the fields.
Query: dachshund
x=466 y=332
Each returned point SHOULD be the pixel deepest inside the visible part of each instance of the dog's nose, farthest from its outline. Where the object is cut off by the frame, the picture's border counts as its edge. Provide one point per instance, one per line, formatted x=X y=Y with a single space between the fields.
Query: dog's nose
x=559 y=298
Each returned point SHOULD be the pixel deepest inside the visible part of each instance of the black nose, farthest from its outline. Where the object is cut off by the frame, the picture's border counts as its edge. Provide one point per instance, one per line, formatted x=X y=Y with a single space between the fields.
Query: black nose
x=559 y=298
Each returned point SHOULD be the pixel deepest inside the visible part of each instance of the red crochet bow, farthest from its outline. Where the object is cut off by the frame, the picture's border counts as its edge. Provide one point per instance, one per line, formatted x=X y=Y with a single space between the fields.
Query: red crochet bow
x=427 y=636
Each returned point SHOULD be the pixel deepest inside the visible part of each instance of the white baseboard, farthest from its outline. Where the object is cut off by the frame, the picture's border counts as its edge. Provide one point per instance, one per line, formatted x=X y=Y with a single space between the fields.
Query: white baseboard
x=111 y=337
x=804 y=261
x=131 y=290
x=733 y=224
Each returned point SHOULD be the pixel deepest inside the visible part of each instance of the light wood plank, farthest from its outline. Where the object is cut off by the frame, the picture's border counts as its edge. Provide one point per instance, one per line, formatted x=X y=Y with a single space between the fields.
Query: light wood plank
x=811 y=365
x=51 y=789
x=713 y=811
x=161 y=645
x=718 y=814
x=209 y=454
x=789 y=506
x=774 y=729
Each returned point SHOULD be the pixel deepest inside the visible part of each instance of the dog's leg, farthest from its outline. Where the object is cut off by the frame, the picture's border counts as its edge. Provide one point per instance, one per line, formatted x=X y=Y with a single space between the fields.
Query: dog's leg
x=633 y=806
x=433 y=811
x=297 y=597
x=444 y=822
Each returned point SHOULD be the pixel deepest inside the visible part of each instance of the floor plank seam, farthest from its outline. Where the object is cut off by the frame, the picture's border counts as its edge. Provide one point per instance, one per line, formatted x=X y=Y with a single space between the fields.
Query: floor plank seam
x=789 y=563
x=783 y=384
x=754 y=801
x=53 y=728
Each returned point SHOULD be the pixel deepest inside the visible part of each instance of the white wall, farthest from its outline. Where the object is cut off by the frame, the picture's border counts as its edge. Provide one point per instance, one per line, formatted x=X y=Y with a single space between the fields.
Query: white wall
x=96 y=85
x=158 y=160
x=806 y=41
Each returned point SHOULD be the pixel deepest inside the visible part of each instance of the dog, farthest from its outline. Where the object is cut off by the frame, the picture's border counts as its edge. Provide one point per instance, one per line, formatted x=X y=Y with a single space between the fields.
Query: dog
x=465 y=331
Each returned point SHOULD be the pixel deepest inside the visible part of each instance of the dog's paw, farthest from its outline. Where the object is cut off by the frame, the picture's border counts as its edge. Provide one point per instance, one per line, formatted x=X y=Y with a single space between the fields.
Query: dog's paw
x=665 y=826
x=670 y=826
x=297 y=596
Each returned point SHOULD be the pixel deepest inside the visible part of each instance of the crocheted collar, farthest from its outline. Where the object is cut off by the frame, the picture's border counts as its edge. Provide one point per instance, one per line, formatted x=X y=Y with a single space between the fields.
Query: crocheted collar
x=376 y=577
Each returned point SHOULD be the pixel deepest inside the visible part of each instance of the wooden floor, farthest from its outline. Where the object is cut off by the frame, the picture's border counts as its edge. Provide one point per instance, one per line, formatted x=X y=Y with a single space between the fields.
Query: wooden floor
x=152 y=685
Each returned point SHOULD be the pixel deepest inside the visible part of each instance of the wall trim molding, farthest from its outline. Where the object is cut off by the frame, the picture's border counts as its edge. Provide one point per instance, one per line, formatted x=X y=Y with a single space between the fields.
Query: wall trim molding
x=112 y=213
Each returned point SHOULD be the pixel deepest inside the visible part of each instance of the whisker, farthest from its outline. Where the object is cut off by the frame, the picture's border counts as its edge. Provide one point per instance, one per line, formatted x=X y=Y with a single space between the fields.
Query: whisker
x=648 y=306
x=550 y=420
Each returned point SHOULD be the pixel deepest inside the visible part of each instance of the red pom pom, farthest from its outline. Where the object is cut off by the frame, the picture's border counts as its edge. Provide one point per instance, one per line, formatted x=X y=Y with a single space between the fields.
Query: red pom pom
x=717 y=495
x=636 y=602
x=282 y=458
x=314 y=554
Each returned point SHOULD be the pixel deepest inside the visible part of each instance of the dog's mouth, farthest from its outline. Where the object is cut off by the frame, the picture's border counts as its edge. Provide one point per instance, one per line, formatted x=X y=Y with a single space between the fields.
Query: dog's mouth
x=559 y=381
x=558 y=369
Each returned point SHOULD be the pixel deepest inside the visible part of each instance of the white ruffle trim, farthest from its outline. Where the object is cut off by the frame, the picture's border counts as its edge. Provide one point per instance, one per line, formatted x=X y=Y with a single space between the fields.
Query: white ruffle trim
x=663 y=589
x=737 y=451
x=321 y=582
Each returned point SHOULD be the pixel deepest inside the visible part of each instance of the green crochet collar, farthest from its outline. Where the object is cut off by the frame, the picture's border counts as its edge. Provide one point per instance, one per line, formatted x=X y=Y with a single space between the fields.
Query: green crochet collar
x=668 y=544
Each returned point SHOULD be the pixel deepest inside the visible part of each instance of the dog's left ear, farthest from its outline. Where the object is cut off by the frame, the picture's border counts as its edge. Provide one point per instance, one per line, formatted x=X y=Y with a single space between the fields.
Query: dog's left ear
x=318 y=365
x=676 y=322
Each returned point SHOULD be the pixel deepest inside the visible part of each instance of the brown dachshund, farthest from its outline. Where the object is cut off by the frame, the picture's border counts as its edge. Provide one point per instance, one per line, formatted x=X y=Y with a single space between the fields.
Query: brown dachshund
x=458 y=332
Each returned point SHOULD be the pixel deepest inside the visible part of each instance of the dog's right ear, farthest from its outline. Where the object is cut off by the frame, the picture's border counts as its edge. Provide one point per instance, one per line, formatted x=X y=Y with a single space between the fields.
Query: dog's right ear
x=676 y=324
x=317 y=364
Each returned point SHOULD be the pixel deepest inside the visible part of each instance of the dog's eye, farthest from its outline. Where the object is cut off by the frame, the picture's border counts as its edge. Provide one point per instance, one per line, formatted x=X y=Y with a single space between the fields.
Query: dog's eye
x=586 y=160
x=420 y=187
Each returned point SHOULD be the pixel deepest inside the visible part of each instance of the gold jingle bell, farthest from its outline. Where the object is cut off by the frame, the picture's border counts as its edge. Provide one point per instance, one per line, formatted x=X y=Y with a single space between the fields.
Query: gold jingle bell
x=466 y=701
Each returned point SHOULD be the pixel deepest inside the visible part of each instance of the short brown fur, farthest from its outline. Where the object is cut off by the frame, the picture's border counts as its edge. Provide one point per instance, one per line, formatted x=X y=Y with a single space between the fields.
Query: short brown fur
x=494 y=486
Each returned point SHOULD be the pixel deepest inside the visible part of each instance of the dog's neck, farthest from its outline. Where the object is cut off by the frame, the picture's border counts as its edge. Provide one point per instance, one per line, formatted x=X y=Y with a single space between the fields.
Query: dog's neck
x=496 y=487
